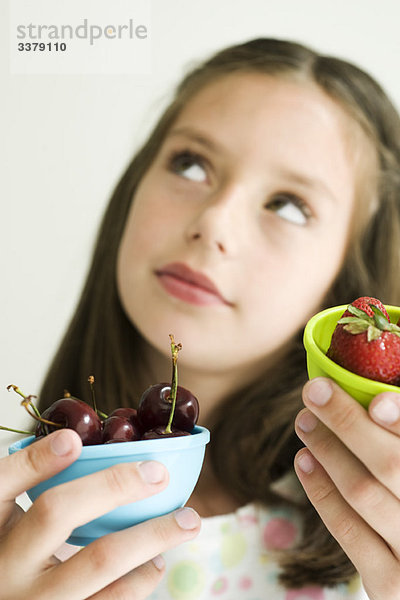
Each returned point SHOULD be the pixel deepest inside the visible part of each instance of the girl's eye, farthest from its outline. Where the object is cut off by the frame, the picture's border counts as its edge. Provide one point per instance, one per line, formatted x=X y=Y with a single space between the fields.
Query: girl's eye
x=189 y=165
x=290 y=207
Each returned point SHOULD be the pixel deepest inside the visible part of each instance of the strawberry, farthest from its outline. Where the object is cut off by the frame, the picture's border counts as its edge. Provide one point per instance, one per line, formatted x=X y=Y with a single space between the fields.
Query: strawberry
x=364 y=303
x=365 y=342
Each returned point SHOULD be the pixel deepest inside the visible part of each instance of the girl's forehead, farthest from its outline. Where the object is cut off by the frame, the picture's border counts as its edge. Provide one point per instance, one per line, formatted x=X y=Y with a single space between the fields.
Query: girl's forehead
x=259 y=90
x=245 y=105
x=290 y=110
x=265 y=113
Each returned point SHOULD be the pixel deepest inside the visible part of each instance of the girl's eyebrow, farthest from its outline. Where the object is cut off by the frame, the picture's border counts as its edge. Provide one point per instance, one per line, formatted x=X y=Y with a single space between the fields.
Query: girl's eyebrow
x=311 y=183
x=196 y=136
x=294 y=177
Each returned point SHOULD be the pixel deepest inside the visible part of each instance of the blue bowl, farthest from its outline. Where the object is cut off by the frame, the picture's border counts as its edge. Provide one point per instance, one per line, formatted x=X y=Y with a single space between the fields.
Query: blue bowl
x=183 y=457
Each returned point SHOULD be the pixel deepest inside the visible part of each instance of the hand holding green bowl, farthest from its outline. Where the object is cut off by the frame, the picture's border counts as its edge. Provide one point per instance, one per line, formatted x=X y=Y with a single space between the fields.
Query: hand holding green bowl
x=317 y=338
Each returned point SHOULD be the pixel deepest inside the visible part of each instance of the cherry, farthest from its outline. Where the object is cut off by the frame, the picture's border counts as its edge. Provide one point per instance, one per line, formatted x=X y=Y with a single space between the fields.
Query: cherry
x=159 y=432
x=164 y=411
x=124 y=411
x=119 y=428
x=130 y=414
x=73 y=413
x=164 y=406
x=155 y=407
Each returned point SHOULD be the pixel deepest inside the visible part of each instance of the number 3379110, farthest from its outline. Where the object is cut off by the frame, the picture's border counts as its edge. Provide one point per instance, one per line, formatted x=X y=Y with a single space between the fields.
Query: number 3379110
x=42 y=46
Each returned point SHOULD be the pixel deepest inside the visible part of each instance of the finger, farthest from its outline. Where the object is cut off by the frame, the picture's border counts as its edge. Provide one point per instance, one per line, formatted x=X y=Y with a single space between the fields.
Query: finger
x=59 y=510
x=368 y=552
x=137 y=584
x=35 y=463
x=111 y=557
x=360 y=489
x=14 y=517
x=377 y=448
x=385 y=410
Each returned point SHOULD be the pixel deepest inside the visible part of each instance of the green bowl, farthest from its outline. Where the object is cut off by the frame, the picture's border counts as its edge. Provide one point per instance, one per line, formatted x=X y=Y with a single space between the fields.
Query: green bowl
x=317 y=338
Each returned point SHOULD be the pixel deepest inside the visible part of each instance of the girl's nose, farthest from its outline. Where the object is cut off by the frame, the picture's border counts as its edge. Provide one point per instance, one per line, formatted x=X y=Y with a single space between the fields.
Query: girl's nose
x=219 y=222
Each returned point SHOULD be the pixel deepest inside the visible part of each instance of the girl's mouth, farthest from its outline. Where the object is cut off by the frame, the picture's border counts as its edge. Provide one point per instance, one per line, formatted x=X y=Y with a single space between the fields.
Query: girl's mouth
x=179 y=280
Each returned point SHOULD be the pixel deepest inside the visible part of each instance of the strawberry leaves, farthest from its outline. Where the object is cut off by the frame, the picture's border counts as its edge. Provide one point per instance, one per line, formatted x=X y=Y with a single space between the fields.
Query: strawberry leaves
x=361 y=322
x=365 y=342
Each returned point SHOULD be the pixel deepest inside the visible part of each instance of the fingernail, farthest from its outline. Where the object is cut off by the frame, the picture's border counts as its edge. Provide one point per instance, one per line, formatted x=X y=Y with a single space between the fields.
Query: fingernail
x=387 y=411
x=151 y=471
x=307 y=422
x=187 y=518
x=159 y=562
x=319 y=391
x=60 y=443
x=306 y=462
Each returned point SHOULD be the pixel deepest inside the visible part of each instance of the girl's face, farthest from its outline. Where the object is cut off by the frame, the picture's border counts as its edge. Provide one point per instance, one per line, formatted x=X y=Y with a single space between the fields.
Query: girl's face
x=240 y=225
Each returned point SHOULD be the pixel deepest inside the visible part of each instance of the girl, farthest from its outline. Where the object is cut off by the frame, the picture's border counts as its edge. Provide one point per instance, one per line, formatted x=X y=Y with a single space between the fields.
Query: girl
x=268 y=190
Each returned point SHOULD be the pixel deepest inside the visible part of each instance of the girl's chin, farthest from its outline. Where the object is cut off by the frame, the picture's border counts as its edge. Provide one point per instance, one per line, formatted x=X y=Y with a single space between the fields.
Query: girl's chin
x=208 y=357
x=198 y=350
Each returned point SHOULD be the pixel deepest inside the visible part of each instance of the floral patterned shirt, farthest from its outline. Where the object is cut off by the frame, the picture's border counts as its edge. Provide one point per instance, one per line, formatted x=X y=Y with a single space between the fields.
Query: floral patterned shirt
x=231 y=559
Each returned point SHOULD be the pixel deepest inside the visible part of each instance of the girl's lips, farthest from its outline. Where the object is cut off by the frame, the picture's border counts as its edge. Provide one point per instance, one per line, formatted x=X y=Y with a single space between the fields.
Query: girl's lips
x=194 y=287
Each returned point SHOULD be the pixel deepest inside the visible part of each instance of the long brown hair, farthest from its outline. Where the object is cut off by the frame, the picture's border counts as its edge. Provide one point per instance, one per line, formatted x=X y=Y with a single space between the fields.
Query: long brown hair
x=258 y=427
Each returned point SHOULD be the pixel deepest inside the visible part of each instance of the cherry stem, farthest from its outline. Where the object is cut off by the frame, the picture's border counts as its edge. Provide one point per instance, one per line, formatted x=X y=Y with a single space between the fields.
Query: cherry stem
x=68 y=395
x=91 y=383
x=26 y=403
x=3 y=428
x=174 y=384
x=27 y=398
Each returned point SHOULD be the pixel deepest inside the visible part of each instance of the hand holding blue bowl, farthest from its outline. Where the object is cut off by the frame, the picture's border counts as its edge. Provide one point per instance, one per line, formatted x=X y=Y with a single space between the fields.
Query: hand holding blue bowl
x=182 y=456
x=167 y=415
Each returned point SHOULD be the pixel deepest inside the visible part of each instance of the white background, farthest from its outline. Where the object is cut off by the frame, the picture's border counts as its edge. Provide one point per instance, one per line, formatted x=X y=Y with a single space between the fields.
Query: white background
x=65 y=140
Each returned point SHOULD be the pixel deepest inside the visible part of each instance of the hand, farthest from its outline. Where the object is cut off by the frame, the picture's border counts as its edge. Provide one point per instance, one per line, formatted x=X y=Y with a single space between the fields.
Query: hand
x=115 y=566
x=350 y=471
